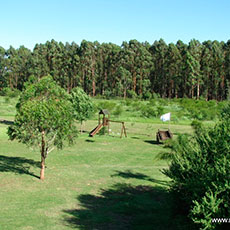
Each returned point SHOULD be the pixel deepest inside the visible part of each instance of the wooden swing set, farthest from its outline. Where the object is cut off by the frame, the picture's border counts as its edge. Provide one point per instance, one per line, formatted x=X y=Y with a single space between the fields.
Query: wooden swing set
x=104 y=121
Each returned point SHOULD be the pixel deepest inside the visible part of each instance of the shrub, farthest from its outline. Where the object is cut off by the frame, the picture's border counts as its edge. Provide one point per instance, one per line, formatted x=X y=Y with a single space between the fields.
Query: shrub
x=137 y=106
x=200 y=172
x=148 y=111
x=82 y=104
x=9 y=92
x=196 y=125
x=5 y=91
x=118 y=110
x=155 y=96
x=6 y=100
x=110 y=105
x=152 y=102
x=199 y=109
x=128 y=102
x=160 y=110
x=163 y=102
x=131 y=94
x=147 y=95
x=108 y=94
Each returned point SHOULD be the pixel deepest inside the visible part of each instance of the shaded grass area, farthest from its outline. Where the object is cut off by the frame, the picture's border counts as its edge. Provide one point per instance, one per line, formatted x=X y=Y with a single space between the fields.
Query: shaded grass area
x=123 y=206
x=136 y=175
x=17 y=165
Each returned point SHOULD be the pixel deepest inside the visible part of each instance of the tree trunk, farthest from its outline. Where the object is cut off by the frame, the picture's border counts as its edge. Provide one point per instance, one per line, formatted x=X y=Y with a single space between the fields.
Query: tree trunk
x=134 y=83
x=192 y=91
x=141 y=86
x=68 y=85
x=125 y=93
x=42 y=173
x=198 y=90
x=94 y=87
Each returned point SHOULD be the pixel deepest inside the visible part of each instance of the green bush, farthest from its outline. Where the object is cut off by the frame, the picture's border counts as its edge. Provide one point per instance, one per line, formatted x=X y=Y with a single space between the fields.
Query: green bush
x=5 y=91
x=108 y=94
x=6 y=100
x=152 y=102
x=196 y=125
x=210 y=206
x=128 y=102
x=200 y=173
x=148 y=111
x=109 y=105
x=131 y=94
x=160 y=111
x=118 y=110
x=137 y=106
x=163 y=102
x=9 y=92
x=147 y=95
x=155 y=96
x=199 y=109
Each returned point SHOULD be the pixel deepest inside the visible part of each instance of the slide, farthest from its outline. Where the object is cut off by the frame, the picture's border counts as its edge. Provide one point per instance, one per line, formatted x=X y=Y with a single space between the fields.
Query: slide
x=95 y=130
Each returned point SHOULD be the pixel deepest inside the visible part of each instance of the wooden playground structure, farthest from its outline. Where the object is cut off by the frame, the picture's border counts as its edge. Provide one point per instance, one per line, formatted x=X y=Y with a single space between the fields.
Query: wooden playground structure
x=105 y=121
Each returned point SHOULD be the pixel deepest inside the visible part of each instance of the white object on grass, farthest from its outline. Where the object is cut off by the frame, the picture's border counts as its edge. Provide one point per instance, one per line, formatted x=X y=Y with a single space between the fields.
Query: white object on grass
x=166 y=117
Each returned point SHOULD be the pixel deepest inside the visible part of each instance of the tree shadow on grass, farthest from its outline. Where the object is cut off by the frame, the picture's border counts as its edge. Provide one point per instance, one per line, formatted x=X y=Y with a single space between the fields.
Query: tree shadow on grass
x=6 y=122
x=136 y=175
x=90 y=141
x=137 y=138
x=17 y=165
x=125 y=206
x=153 y=142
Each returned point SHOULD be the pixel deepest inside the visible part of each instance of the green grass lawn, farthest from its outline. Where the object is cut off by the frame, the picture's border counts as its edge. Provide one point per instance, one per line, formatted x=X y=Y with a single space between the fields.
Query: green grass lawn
x=102 y=182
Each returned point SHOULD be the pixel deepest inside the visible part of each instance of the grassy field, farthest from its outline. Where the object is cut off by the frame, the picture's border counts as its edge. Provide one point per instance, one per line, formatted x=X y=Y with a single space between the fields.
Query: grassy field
x=101 y=183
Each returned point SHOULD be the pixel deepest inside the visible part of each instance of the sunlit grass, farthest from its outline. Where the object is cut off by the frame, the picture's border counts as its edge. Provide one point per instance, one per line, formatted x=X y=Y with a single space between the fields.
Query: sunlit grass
x=90 y=166
x=104 y=182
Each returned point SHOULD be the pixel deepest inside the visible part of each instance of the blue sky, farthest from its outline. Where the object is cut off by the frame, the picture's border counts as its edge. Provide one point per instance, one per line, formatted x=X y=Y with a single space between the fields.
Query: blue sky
x=27 y=22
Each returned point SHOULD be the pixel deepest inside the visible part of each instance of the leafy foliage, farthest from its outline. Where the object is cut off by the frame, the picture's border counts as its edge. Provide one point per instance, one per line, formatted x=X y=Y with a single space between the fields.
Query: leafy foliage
x=200 y=173
x=134 y=69
x=43 y=107
x=82 y=104
x=44 y=117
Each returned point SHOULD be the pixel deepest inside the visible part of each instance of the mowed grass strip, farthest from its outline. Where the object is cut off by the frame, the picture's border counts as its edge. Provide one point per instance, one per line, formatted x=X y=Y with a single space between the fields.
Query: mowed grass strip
x=103 y=182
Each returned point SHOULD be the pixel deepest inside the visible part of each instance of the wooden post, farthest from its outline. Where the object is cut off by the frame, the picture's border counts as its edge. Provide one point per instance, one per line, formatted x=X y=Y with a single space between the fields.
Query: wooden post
x=121 y=131
x=123 y=124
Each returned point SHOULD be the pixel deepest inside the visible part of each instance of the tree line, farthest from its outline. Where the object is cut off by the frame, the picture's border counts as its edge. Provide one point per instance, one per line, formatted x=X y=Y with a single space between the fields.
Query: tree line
x=134 y=69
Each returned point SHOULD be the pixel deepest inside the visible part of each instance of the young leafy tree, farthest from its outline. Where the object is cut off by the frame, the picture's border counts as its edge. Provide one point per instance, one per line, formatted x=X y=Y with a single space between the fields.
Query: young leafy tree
x=44 y=118
x=82 y=104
